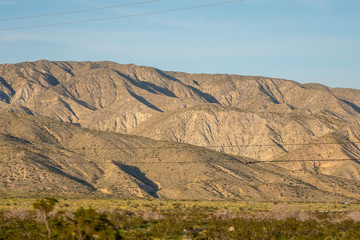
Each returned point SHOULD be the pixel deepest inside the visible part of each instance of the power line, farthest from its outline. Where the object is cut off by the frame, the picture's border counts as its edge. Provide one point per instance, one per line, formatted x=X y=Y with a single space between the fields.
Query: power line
x=285 y=144
x=105 y=160
x=198 y=162
x=118 y=17
x=196 y=146
x=305 y=160
x=76 y=11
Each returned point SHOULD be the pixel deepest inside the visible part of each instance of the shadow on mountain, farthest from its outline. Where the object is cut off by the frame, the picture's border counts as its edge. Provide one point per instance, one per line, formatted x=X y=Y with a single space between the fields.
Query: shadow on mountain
x=144 y=183
x=20 y=109
x=4 y=97
x=144 y=101
x=51 y=80
x=63 y=67
x=352 y=105
x=65 y=92
x=150 y=87
x=206 y=96
x=13 y=139
x=60 y=172
x=269 y=94
x=67 y=106
x=84 y=104
x=8 y=86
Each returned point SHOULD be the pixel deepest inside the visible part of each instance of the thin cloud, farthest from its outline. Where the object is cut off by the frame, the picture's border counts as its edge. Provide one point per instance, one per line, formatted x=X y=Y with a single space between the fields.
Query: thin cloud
x=8 y=38
x=318 y=3
x=18 y=38
x=6 y=3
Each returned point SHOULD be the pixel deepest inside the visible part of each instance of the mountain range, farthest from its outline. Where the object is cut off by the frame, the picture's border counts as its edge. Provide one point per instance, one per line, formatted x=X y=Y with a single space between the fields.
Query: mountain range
x=106 y=129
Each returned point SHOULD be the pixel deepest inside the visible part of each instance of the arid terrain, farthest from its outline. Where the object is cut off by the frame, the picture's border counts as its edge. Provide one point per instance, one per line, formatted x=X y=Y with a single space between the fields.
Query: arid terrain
x=106 y=129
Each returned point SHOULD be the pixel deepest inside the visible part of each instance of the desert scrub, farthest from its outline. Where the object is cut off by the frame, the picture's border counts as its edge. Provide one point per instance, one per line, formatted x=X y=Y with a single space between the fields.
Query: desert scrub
x=15 y=224
x=176 y=220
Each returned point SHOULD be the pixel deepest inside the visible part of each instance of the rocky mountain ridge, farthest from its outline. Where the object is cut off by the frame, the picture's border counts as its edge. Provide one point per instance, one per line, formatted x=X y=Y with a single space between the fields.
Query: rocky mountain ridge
x=259 y=118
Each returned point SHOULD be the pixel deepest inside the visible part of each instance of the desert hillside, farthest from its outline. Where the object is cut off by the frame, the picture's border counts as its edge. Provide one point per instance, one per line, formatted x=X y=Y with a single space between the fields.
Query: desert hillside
x=43 y=156
x=59 y=118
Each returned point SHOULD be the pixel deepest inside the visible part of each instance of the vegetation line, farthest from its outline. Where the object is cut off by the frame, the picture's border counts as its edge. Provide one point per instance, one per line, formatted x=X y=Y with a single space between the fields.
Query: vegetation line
x=50 y=218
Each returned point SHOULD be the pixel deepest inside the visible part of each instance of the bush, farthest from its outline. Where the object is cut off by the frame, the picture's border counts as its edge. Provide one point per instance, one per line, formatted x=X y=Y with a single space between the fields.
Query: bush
x=176 y=223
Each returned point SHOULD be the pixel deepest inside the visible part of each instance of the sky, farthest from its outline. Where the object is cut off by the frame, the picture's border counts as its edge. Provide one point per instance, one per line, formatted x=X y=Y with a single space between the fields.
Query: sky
x=315 y=41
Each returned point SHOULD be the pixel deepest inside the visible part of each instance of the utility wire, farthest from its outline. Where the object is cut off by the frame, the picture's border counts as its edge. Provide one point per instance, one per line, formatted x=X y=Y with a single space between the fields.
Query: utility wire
x=123 y=16
x=105 y=160
x=193 y=162
x=108 y=160
x=190 y=146
x=195 y=146
x=77 y=11
x=305 y=160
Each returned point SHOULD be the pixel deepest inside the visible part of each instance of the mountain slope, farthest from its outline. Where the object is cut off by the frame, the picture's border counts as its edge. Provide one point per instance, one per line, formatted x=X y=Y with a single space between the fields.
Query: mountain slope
x=43 y=156
x=127 y=94
x=260 y=118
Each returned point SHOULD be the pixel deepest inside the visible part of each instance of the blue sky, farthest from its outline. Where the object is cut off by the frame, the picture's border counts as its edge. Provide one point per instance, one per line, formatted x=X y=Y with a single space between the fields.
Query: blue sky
x=301 y=40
